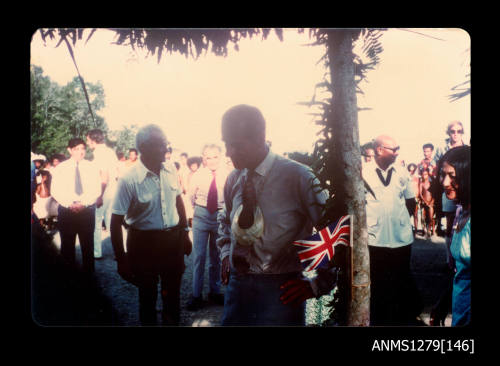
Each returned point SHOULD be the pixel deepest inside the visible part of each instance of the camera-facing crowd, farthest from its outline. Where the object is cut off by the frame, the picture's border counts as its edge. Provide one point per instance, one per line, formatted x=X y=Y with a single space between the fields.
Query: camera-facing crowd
x=244 y=213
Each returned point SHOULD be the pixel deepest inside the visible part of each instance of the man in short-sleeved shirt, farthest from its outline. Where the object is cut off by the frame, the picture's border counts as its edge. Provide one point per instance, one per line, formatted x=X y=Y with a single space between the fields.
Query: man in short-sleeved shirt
x=148 y=200
x=388 y=203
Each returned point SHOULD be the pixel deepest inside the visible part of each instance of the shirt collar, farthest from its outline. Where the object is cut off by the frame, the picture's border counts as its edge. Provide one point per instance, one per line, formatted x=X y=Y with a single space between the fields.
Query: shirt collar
x=265 y=166
x=392 y=166
x=142 y=171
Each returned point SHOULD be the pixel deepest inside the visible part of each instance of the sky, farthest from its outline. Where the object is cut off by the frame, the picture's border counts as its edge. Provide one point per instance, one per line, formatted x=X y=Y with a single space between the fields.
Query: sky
x=407 y=92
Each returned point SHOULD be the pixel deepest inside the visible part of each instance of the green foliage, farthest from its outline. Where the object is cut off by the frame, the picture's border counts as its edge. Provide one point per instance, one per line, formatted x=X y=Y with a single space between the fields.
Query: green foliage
x=188 y=42
x=59 y=113
x=304 y=158
x=124 y=139
x=461 y=90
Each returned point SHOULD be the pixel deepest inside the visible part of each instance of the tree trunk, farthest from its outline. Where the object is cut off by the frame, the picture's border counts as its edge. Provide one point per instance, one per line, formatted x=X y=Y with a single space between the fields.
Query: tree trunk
x=347 y=156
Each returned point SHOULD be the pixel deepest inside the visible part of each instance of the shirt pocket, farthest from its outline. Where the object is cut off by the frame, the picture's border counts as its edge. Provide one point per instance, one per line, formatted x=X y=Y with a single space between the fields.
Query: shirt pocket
x=146 y=191
x=402 y=229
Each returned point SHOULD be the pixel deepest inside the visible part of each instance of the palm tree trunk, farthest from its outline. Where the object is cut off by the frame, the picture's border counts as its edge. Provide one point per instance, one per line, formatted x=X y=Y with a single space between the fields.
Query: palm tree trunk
x=347 y=155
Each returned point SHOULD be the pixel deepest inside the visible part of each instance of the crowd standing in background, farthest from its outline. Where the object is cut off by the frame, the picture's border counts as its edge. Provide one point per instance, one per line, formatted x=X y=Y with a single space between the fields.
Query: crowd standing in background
x=243 y=211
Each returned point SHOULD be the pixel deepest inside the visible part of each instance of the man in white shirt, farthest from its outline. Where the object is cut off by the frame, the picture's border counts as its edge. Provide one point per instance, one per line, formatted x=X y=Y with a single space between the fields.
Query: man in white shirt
x=148 y=200
x=76 y=187
x=206 y=193
x=107 y=163
x=394 y=298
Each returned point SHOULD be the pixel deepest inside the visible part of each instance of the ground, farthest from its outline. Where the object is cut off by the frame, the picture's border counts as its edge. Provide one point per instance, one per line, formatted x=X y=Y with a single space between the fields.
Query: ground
x=57 y=299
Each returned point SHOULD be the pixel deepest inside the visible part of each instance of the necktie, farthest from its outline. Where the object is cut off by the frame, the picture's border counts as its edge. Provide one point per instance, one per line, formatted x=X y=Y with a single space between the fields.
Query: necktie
x=249 y=197
x=78 y=181
x=212 y=196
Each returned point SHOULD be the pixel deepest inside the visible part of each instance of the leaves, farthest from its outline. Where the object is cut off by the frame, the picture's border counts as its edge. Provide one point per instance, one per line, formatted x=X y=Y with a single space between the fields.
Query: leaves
x=59 y=113
x=462 y=92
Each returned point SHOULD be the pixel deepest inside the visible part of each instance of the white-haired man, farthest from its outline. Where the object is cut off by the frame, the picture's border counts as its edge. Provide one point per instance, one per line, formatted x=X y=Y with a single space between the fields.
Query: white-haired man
x=206 y=193
x=148 y=200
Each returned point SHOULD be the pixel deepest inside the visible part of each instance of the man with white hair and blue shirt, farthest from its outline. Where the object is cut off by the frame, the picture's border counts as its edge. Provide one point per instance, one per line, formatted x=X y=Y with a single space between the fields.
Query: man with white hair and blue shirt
x=148 y=200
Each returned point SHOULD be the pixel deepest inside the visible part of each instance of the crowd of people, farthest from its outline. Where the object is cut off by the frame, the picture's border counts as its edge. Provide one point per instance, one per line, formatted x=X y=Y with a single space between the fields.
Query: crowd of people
x=243 y=213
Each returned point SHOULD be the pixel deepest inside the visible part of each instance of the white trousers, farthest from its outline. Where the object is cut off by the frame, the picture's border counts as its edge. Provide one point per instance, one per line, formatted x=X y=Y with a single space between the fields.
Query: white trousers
x=103 y=212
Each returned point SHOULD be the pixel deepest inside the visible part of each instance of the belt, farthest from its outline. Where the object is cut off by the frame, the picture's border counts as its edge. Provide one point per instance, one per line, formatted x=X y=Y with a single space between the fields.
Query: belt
x=84 y=206
x=166 y=230
x=205 y=207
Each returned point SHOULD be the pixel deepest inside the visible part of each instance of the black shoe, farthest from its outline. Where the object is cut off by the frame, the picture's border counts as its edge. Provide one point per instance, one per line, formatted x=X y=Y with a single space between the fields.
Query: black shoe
x=217 y=299
x=194 y=304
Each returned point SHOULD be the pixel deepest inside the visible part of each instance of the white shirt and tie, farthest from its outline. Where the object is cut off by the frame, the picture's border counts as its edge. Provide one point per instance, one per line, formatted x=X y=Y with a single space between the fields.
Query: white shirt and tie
x=64 y=178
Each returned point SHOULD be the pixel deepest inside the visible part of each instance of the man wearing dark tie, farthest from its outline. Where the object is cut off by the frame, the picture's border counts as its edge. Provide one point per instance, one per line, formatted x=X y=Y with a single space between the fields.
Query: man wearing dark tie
x=76 y=185
x=394 y=297
x=269 y=202
x=206 y=193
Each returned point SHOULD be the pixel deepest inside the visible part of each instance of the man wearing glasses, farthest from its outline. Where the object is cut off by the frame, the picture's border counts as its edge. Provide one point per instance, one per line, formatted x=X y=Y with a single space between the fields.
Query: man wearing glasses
x=394 y=297
x=455 y=132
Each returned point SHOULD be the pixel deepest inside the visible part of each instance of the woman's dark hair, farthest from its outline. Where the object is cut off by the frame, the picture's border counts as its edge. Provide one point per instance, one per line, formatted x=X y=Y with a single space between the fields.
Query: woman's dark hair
x=411 y=165
x=460 y=159
x=194 y=160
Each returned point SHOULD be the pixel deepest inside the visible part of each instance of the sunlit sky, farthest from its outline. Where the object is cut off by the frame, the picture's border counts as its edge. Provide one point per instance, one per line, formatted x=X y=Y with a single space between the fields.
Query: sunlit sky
x=408 y=91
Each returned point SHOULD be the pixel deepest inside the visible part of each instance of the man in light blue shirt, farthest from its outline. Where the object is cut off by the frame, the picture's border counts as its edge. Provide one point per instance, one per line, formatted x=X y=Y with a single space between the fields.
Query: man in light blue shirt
x=148 y=200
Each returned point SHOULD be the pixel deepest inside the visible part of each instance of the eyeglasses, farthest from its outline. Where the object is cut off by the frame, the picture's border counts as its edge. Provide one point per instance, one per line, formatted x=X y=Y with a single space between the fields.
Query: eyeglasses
x=393 y=149
x=456 y=131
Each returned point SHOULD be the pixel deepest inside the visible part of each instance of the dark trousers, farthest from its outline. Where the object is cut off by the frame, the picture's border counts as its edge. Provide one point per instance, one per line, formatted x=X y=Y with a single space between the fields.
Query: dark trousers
x=157 y=255
x=70 y=225
x=394 y=296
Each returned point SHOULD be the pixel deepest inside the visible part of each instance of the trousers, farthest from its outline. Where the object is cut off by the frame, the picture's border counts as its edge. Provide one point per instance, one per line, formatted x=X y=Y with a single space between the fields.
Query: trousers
x=157 y=256
x=70 y=225
x=103 y=213
x=254 y=300
x=394 y=296
x=205 y=232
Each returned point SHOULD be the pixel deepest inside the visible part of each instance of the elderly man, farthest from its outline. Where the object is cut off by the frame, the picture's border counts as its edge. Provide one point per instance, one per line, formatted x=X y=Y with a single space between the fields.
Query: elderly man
x=107 y=163
x=269 y=203
x=148 y=198
x=76 y=187
x=390 y=237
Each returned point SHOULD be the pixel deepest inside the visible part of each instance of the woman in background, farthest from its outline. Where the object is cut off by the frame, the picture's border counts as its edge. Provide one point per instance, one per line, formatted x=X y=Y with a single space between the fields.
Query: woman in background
x=454 y=176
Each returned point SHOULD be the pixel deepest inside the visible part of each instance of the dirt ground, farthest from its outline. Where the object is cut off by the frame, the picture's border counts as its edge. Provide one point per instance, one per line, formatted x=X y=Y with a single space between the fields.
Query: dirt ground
x=119 y=299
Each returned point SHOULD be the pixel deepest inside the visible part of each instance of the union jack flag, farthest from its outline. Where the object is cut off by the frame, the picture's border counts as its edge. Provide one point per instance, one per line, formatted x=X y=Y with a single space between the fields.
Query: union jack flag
x=319 y=248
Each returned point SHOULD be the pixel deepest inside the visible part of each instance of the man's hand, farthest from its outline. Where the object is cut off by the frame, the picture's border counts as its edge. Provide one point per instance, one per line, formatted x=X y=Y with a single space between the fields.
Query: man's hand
x=124 y=269
x=296 y=291
x=225 y=269
x=98 y=202
x=186 y=242
x=76 y=207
